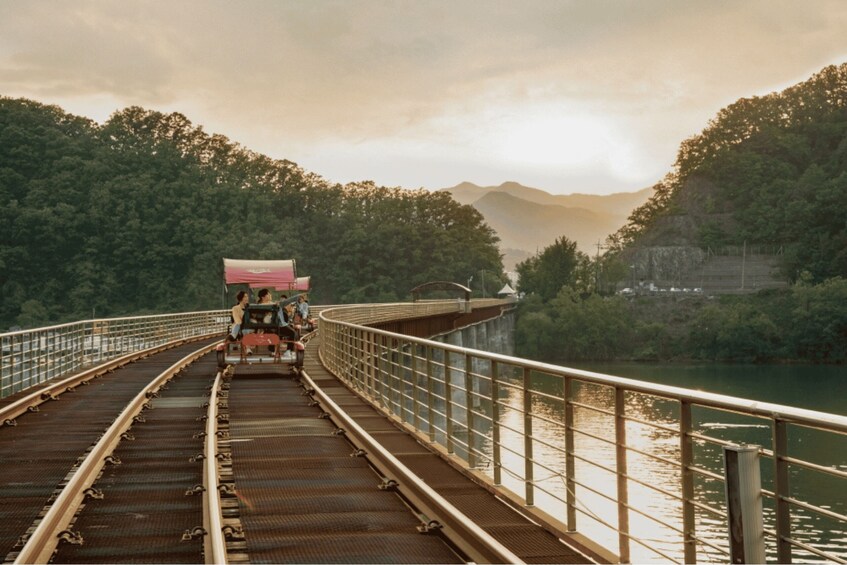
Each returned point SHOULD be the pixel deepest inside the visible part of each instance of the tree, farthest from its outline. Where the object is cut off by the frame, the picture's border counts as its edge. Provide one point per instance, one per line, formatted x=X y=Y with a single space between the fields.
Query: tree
x=558 y=265
x=135 y=215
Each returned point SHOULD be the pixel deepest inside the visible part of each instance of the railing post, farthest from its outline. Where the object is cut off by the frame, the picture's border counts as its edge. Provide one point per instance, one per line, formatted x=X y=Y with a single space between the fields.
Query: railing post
x=469 y=409
x=623 y=489
x=495 y=423
x=686 y=449
x=382 y=359
x=370 y=367
x=429 y=401
x=416 y=411
x=448 y=401
x=361 y=360
x=570 y=461
x=781 y=490
x=744 y=504
x=394 y=390
x=343 y=353
x=412 y=386
x=527 y=423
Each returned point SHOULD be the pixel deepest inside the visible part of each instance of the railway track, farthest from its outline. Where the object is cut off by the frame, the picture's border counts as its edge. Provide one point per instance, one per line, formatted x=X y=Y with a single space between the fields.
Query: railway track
x=53 y=453
x=167 y=460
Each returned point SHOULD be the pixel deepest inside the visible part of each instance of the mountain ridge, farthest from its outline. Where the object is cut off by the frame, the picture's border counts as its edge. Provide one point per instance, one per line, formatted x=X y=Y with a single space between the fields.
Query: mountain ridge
x=528 y=219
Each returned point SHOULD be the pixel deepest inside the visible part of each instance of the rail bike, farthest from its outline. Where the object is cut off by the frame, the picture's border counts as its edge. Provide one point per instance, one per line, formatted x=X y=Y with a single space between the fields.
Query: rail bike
x=268 y=332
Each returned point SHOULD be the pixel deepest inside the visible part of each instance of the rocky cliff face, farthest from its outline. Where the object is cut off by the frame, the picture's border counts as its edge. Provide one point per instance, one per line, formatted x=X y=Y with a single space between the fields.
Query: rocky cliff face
x=664 y=266
x=695 y=212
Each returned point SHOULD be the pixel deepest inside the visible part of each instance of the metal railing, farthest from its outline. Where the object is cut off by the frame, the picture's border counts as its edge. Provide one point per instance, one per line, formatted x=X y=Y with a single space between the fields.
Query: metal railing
x=578 y=447
x=376 y=313
x=30 y=357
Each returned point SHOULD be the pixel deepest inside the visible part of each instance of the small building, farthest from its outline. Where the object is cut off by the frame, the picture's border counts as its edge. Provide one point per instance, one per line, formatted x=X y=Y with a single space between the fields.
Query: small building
x=506 y=291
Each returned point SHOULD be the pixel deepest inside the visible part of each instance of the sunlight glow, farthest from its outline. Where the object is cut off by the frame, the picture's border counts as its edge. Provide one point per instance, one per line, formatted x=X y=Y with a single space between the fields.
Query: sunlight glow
x=548 y=137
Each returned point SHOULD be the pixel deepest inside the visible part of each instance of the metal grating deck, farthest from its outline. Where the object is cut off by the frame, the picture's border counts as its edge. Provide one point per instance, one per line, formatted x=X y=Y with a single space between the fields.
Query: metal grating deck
x=302 y=498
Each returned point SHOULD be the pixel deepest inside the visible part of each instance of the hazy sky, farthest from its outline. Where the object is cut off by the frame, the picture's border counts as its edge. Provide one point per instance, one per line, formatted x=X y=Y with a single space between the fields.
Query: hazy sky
x=567 y=96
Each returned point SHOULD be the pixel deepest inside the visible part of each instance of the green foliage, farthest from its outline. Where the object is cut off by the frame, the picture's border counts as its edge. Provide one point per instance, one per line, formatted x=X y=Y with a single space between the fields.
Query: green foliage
x=135 y=215
x=818 y=329
x=557 y=266
x=770 y=170
x=779 y=166
x=807 y=322
x=571 y=327
x=737 y=331
x=591 y=328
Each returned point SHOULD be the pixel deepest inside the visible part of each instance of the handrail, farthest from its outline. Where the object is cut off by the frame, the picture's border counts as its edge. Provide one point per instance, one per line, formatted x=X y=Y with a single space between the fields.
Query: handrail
x=445 y=392
x=810 y=418
x=31 y=357
x=9 y=412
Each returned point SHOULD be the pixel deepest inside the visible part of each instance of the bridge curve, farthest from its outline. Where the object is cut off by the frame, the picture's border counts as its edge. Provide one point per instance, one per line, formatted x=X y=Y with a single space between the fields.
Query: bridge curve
x=452 y=400
x=440 y=285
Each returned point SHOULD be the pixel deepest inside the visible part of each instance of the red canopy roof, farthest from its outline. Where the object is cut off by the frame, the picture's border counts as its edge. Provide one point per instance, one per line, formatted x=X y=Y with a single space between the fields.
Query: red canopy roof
x=278 y=274
x=302 y=284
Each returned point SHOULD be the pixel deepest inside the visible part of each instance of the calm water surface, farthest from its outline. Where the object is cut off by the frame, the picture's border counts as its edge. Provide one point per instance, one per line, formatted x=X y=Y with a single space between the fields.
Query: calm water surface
x=822 y=388
x=814 y=387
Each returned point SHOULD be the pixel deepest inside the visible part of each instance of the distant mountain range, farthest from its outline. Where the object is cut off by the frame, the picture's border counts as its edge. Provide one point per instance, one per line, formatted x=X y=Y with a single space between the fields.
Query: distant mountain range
x=528 y=219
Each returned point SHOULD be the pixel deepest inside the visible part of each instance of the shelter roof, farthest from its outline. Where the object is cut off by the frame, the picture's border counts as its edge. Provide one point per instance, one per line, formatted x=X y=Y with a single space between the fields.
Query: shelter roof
x=507 y=290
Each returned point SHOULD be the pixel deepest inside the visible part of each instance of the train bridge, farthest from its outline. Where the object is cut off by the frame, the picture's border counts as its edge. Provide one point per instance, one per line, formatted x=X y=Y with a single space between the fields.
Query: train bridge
x=122 y=441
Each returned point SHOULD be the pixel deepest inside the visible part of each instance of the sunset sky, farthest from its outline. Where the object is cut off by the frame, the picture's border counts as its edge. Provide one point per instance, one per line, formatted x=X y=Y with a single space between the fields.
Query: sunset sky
x=566 y=96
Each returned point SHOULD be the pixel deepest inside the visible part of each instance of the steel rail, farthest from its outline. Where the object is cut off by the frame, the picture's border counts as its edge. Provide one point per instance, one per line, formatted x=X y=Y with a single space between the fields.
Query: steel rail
x=44 y=539
x=52 y=391
x=478 y=544
x=816 y=551
x=708 y=543
x=813 y=467
x=814 y=508
x=214 y=544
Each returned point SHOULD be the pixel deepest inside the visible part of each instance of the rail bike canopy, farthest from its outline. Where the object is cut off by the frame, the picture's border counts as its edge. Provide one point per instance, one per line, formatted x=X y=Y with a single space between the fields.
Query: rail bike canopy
x=302 y=284
x=279 y=274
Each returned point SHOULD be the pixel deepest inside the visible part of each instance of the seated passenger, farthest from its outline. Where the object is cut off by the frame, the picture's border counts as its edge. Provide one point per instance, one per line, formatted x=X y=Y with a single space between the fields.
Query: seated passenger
x=303 y=307
x=265 y=298
x=237 y=315
x=266 y=316
x=287 y=327
x=303 y=312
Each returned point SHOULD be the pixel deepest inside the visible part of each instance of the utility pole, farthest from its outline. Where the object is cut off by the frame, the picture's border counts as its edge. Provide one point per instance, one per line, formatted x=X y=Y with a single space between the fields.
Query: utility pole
x=597 y=267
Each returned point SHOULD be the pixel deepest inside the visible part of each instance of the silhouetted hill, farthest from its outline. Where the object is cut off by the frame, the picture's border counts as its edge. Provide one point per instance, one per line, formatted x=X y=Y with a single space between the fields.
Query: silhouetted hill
x=528 y=219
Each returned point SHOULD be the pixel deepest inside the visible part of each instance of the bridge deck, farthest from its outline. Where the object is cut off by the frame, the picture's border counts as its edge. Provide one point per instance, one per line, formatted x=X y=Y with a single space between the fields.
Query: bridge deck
x=302 y=497
x=297 y=482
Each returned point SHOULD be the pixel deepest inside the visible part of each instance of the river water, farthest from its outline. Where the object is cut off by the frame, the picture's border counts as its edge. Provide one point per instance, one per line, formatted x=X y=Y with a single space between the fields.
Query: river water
x=821 y=388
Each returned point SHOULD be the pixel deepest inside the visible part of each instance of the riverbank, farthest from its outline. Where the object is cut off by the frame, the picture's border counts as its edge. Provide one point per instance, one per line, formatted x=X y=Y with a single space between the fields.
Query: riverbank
x=802 y=324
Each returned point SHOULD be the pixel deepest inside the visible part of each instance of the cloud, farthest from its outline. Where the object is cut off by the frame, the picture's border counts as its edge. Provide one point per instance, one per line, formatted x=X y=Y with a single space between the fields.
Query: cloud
x=298 y=78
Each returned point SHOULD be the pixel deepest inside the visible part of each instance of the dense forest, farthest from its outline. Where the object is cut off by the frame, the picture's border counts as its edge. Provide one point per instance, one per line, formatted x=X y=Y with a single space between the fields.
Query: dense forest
x=769 y=170
x=135 y=215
